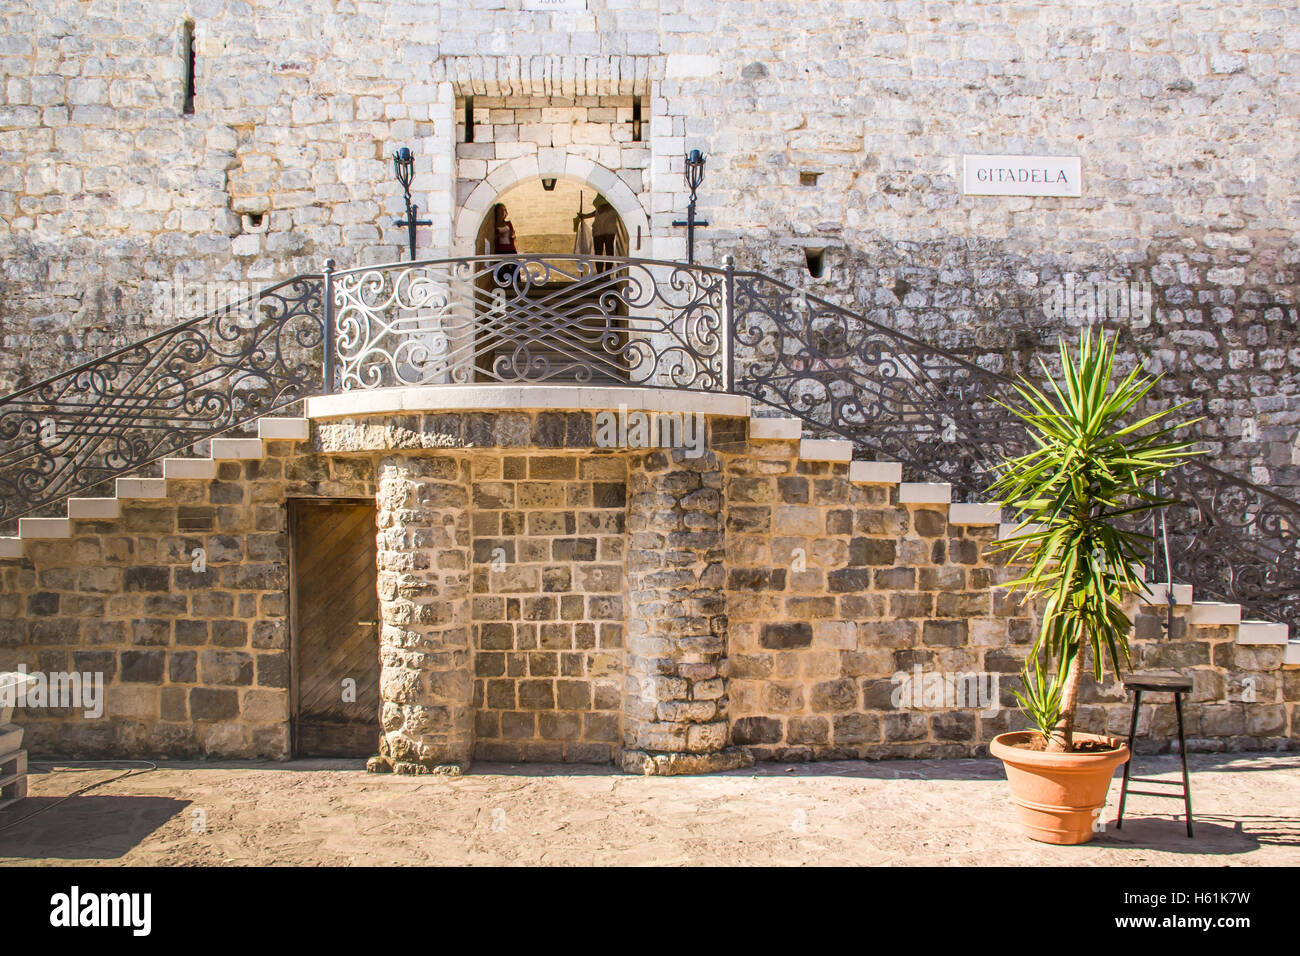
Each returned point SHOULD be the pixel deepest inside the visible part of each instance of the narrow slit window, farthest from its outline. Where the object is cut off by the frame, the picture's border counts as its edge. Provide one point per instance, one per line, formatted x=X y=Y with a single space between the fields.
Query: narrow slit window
x=187 y=50
x=636 y=120
x=815 y=259
x=469 y=119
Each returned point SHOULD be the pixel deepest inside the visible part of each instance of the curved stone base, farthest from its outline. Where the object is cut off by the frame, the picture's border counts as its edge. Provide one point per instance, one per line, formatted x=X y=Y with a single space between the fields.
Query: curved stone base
x=381 y=764
x=678 y=764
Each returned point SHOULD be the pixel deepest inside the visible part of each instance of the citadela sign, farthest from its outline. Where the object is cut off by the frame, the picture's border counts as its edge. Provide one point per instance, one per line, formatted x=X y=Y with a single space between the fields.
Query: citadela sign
x=1021 y=176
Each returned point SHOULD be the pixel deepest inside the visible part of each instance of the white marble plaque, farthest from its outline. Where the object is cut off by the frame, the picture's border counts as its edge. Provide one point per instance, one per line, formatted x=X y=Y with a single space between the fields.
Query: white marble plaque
x=1021 y=176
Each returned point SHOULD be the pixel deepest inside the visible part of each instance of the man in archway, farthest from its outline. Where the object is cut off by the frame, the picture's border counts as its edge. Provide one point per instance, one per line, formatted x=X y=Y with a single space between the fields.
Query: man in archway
x=604 y=228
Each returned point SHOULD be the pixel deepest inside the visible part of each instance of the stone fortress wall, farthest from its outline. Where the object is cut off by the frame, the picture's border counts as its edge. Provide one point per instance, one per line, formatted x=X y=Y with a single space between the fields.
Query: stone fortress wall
x=826 y=124
x=547 y=598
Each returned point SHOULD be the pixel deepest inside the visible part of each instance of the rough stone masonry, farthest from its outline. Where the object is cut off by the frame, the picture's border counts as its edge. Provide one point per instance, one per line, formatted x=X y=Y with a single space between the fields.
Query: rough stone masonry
x=826 y=124
x=829 y=127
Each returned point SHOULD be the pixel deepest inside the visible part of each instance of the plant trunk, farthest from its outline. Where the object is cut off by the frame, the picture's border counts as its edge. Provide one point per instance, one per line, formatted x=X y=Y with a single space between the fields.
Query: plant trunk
x=1062 y=739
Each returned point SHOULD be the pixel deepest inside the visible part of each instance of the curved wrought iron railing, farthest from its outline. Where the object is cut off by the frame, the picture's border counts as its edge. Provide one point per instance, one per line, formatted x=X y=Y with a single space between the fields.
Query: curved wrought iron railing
x=528 y=319
x=110 y=416
x=897 y=398
x=1232 y=540
x=900 y=399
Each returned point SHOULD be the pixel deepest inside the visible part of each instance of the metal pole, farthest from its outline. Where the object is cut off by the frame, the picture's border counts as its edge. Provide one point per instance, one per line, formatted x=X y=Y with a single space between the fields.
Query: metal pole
x=411 y=213
x=730 y=328
x=328 y=361
x=690 y=230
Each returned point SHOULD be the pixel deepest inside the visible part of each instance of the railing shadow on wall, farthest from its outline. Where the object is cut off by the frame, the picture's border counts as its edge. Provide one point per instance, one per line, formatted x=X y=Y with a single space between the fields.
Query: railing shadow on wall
x=591 y=320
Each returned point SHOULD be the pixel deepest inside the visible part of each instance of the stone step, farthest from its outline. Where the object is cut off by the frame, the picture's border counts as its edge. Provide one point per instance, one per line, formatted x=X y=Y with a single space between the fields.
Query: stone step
x=94 y=508
x=1261 y=632
x=283 y=429
x=924 y=493
x=1215 y=613
x=825 y=449
x=975 y=513
x=146 y=488
x=44 y=528
x=236 y=448
x=1009 y=529
x=11 y=547
x=774 y=429
x=1159 y=594
x=203 y=468
x=876 y=472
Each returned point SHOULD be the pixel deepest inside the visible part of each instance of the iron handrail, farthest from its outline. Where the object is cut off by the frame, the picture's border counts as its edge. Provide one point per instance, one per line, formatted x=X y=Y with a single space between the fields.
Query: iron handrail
x=627 y=321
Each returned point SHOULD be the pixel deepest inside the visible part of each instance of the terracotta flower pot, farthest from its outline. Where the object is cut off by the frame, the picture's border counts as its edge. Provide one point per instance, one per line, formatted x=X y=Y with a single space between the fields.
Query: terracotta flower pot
x=1058 y=796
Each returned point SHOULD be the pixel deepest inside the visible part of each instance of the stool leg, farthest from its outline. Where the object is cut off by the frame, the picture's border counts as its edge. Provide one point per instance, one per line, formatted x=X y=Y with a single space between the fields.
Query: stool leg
x=1182 y=752
x=1132 y=732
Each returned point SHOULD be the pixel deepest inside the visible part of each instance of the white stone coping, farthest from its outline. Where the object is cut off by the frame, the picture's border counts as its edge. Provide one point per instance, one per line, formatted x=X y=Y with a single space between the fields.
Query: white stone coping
x=1215 y=613
x=1262 y=632
x=469 y=398
x=925 y=493
x=975 y=513
x=93 y=508
x=1292 y=654
x=283 y=429
x=876 y=472
x=1159 y=594
x=11 y=547
x=45 y=527
x=775 y=429
x=826 y=449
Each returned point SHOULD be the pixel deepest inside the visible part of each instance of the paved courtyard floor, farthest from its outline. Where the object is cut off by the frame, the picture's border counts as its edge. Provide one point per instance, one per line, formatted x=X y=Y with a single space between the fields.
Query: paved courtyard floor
x=931 y=812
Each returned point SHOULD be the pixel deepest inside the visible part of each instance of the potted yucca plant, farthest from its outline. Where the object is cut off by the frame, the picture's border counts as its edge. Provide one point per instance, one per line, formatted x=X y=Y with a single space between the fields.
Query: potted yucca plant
x=1076 y=498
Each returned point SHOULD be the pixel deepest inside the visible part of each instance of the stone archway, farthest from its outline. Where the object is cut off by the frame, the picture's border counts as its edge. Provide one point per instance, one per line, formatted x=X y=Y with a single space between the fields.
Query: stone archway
x=561 y=166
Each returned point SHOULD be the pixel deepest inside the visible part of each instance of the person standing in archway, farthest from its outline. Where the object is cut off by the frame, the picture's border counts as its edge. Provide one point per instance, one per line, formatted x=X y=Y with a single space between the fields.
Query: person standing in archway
x=503 y=243
x=604 y=228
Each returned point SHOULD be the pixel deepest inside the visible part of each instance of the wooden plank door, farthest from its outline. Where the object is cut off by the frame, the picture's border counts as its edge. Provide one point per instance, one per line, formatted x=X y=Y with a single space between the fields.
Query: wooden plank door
x=335 y=628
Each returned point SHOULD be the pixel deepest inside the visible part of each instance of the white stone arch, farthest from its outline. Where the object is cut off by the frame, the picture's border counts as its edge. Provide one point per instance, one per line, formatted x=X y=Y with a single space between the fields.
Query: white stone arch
x=562 y=166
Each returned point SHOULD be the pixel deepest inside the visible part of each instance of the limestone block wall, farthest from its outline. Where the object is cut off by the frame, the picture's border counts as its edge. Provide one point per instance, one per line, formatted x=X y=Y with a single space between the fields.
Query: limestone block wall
x=595 y=128
x=844 y=134
x=193 y=661
x=549 y=536
x=543 y=598
x=834 y=588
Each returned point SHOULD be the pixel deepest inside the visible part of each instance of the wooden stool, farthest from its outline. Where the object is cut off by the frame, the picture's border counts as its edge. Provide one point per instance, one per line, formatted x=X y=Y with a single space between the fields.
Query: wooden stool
x=1159 y=684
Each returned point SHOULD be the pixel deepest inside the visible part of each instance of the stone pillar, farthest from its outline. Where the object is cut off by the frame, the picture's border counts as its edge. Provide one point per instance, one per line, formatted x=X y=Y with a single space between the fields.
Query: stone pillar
x=426 y=681
x=675 y=701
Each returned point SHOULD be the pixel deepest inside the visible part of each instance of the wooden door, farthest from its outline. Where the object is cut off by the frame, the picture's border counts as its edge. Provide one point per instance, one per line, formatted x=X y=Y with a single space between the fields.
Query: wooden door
x=335 y=621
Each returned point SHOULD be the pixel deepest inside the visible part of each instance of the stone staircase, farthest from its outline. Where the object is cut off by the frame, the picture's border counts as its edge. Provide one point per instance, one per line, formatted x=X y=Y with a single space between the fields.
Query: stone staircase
x=760 y=429
x=1210 y=613
x=136 y=488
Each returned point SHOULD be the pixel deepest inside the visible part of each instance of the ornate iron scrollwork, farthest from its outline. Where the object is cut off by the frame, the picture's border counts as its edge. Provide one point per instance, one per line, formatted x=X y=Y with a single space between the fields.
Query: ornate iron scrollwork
x=110 y=416
x=530 y=320
x=896 y=398
x=899 y=399
x=1232 y=540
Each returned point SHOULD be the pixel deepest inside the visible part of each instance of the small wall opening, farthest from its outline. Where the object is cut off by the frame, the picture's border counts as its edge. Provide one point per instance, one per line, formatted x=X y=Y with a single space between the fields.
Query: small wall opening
x=815 y=260
x=808 y=177
x=637 y=124
x=187 y=52
x=469 y=119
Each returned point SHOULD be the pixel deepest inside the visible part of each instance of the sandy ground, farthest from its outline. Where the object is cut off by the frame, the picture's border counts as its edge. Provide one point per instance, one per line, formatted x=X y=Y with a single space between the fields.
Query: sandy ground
x=952 y=812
